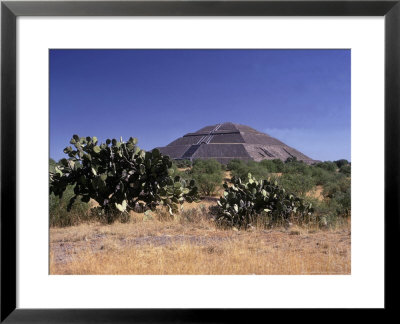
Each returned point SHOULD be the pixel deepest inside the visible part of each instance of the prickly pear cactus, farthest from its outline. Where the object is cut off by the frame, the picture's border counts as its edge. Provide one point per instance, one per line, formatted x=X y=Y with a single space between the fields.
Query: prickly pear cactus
x=119 y=176
x=243 y=202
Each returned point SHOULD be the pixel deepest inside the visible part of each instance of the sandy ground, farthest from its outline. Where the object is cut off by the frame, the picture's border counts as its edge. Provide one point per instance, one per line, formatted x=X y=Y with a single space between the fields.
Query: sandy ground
x=316 y=193
x=162 y=247
x=192 y=244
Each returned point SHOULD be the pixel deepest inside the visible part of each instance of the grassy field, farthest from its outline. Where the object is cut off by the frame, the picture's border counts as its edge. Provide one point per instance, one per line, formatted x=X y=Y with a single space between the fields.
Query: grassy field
x=192 y=244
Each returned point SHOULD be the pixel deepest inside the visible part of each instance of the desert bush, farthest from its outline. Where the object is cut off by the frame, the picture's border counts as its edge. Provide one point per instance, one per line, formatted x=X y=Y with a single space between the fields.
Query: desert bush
x=327 y=213
x=324 y=214
x=341 y=163
x=334 y=209
x=246 y=201
x=58 y=214
x=237 y=167
x=183 y=163
x=340 y=185
x=52 y=165
x=241 y=169
x=291 y=159
x=339 y=196
x=296 y=183
x=297 y=167
x=119 y=176
x=183 y=174
x=327 y=165
x=208 y=175
x=345 y=169
x=208 y=183
x=268 y=165
x=322 y=176
x=342 y=202
x=273 y=166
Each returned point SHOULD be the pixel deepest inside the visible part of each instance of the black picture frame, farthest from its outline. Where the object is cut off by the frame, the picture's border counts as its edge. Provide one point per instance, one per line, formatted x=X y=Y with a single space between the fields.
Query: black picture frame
x=10 y=10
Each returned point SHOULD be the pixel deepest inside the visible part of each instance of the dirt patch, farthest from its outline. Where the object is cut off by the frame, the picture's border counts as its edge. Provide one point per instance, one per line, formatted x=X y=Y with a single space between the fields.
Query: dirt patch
x=227 y=175
x=184 y=169
x=317 y=193
x=199 y=248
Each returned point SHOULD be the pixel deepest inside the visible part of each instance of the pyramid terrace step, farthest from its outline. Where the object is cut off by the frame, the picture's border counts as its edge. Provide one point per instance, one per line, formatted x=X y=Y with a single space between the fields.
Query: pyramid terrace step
x=218 y=132
x=191 y=150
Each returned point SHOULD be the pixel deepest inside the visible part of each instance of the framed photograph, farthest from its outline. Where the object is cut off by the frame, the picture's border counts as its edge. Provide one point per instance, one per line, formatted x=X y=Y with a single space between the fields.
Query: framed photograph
x=161 y=159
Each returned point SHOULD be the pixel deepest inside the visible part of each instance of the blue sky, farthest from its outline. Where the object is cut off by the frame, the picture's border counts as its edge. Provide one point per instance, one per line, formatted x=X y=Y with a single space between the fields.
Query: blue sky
x=301 y=97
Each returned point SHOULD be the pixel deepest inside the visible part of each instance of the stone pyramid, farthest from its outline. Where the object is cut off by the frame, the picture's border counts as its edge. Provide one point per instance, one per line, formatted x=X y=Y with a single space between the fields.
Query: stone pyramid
x=227 y=141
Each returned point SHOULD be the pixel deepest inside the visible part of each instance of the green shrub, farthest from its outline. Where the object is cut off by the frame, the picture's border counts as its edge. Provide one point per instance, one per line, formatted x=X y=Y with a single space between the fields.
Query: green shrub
x=208 y=175
x=322 y=176
x=327 y=165
x=237 y=167
x=291 y=159
x=324 y=213
x=234 y=164
x=338 y=195
x=184 y=174
x=296 y=183
x=345 y=169
x=58 y=214
x=273 y=166
x=208 y=183
x=183 y=163
x=297 y=167
x=341 y=163
x=241 y=169
x=52 y=165
x=280 y=166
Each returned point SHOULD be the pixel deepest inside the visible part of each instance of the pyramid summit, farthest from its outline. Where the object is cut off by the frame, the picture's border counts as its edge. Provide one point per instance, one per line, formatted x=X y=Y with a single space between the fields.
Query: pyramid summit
x=227 y=141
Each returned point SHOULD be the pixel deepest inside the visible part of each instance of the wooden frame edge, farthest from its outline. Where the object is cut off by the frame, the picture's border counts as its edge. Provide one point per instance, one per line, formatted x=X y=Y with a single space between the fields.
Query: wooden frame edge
x=11 y=10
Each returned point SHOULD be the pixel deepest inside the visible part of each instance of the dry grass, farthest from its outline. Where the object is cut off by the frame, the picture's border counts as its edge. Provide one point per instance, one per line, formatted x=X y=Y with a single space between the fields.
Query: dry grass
x=191 y=244
x=317 y=193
